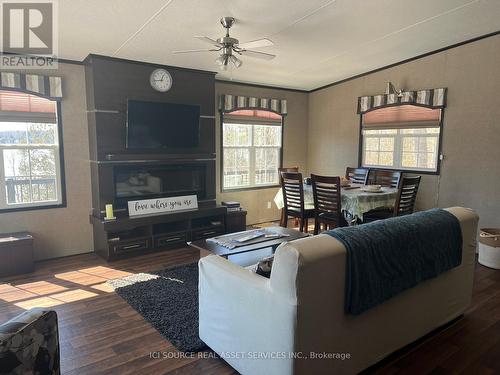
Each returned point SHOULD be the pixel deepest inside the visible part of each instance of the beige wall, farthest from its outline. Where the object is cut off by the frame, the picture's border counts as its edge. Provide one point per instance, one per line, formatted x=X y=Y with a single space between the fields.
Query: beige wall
x=470 y=174
x=64 y=231
x=294 y=148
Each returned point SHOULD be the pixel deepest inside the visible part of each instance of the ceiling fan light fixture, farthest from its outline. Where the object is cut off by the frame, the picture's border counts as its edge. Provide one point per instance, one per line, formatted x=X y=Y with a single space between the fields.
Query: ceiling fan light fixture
x=222 y=61
x=236 y=62
x=228 y=46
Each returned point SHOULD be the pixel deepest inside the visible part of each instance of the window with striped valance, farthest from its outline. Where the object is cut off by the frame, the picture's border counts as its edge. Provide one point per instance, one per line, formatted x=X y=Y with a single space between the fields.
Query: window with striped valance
x=252 y=140
x=402 y=130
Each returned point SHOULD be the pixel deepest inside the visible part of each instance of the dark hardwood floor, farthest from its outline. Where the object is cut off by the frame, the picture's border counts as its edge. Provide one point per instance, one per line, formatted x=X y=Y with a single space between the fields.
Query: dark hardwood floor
x=101 y=334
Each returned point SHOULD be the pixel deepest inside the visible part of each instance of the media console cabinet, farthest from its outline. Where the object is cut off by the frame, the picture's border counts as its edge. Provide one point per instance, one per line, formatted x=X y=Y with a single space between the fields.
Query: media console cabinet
x=132 y=236
x=120 y=173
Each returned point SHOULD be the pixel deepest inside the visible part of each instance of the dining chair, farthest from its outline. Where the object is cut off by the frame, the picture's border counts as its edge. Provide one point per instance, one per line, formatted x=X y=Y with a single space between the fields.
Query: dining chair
x=384 y=177
x=286 y=169
x=407 y=195
x=357 y=175
x=293 y=197
x=405 y=201
x=327 y=202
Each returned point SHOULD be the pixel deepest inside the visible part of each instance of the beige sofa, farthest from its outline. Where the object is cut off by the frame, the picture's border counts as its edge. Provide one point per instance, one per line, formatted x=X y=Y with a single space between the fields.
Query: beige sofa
x=271 y=326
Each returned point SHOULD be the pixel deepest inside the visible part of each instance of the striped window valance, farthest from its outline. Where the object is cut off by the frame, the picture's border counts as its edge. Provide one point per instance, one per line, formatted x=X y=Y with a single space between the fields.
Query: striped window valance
x=46 y=86
x=431 y=98
x=229 y=103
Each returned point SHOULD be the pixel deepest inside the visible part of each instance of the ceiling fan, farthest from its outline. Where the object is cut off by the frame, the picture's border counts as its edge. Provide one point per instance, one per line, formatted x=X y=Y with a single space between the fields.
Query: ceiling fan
x=229 y=46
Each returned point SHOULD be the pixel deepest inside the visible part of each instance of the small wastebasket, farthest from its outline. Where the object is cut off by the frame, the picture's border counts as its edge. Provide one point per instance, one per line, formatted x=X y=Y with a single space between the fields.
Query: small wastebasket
x=489 y=247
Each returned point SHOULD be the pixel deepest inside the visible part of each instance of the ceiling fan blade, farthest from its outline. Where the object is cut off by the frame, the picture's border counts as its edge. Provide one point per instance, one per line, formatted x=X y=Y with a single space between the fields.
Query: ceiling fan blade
x=256 y=43
x=258 y=55
x=194 y=50
x=208 y=40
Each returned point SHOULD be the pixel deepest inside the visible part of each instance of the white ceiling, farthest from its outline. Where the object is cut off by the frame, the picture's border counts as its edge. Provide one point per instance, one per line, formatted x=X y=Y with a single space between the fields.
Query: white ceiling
x=316 y=41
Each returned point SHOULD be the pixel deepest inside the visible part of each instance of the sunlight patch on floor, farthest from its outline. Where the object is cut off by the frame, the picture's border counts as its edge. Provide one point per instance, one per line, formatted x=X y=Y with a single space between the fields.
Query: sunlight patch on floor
x=38 y=302
x=56 y=299
x=73 y=295
x=104 y=287
x=106 y=272
x=92 y=275
x=81 y=278
x=41 y=287
x=75 y=287
x=16 y=295
x=4 y=288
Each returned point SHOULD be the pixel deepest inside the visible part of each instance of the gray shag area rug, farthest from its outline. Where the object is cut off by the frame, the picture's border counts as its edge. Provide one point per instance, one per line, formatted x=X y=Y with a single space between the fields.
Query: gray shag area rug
x=168 y=299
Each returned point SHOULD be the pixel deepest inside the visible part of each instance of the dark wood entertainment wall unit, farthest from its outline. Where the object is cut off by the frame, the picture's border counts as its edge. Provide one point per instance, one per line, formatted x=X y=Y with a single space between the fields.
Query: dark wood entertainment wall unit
x=110 y=84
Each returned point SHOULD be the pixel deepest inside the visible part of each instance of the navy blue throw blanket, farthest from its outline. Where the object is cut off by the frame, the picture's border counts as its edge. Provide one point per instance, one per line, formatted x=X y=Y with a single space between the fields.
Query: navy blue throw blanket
x=388 y=256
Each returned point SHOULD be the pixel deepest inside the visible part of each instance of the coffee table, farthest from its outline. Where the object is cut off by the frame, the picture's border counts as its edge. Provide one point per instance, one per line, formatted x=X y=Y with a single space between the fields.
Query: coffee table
x=225 y=252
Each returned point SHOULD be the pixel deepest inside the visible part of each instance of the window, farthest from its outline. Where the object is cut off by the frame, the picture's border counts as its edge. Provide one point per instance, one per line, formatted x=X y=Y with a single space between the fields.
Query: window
x=251 y=149
x=404 y=137
x=30 y=165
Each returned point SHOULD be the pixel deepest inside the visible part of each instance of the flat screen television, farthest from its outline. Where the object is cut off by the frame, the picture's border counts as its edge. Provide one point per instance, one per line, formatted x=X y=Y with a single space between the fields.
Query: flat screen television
x=154 y=125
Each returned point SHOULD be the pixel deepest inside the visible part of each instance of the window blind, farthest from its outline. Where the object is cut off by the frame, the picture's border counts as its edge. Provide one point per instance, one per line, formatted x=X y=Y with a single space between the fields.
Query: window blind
x=249 y=116
x=402 y=116
x=21 y=107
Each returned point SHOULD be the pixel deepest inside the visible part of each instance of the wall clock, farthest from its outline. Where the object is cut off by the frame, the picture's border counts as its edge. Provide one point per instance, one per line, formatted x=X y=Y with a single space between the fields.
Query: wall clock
x=160 y=80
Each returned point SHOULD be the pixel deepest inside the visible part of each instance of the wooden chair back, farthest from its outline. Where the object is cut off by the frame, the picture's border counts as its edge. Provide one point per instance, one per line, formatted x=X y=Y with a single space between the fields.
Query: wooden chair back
x=293 y=191
x=384 y=177
x=407 y=195
x=288 y=169
x=357 y=175
x=326 y=193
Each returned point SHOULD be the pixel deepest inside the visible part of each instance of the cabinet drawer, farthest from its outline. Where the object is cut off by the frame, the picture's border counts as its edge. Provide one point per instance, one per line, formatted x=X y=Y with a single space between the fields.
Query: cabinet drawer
x=135 y=245
x=169 y=240
x=207 y=232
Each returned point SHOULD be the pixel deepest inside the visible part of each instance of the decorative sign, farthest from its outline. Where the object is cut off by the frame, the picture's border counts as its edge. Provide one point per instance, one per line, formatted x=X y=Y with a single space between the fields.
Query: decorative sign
x=158 y=205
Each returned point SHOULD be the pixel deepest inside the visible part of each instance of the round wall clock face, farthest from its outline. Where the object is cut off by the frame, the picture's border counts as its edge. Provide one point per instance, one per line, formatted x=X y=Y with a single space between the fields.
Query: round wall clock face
x=161 y=80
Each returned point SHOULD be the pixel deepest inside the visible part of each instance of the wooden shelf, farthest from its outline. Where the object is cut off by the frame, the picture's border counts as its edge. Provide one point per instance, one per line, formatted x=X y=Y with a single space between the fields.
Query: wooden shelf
x=131 y=236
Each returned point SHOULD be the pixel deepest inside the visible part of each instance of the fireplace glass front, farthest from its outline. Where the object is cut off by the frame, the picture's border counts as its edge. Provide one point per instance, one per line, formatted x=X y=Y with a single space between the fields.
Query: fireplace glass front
x=143 y=182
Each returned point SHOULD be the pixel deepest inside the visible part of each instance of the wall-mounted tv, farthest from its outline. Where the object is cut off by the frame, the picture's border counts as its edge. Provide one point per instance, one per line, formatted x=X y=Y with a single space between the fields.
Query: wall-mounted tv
x=154 y=125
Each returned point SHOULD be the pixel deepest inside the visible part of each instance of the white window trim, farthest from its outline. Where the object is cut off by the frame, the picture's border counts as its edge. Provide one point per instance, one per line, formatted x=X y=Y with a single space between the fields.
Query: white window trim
x=252 y=148
x=397 y=153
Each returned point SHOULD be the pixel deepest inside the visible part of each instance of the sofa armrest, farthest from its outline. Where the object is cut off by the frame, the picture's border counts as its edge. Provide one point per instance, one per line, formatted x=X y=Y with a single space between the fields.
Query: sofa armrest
x=29 y=343
x=242 y=316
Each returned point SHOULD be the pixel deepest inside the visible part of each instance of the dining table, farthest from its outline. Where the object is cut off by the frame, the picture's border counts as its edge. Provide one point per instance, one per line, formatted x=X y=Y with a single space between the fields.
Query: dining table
x=354 y=198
